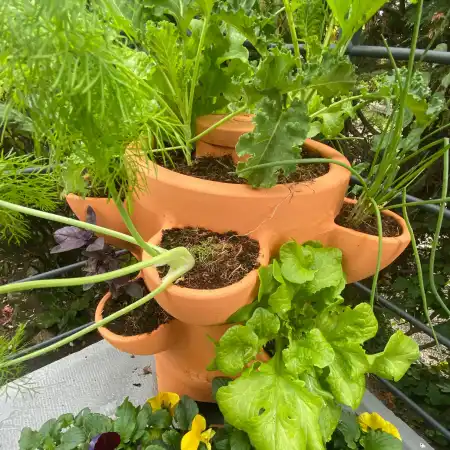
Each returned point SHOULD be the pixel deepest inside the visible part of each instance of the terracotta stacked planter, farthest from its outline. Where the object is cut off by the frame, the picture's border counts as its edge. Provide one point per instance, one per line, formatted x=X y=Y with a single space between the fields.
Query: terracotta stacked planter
x=302 y=211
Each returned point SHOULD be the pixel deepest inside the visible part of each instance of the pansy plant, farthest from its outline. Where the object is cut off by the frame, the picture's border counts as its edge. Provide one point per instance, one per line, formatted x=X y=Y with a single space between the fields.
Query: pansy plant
x=319 y=363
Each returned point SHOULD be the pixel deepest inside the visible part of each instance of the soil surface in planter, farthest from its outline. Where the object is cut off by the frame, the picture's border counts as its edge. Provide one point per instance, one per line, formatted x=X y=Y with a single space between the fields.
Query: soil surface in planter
x=390 y=226
x=223 y=169
x=220 y=259
x=144 y=319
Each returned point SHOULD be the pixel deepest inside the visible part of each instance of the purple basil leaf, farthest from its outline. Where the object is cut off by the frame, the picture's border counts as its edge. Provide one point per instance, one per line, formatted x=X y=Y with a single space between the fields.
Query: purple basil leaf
x=70 y=238
x=135 y=290
x=97 y=245
x=105 y=441
x=91 y=216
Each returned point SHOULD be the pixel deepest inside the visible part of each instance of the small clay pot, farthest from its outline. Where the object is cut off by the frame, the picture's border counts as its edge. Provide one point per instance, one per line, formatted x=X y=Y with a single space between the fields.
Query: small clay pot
x=142 y=344
x=107 y=216
x=204 y=306
x=360 y=250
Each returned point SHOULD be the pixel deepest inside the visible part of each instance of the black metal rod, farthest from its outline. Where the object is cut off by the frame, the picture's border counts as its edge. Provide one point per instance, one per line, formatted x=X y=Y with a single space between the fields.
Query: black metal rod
x=404 y=315
x=416 y=408
x=410 y=198
x=61 y=270
x=48 y=342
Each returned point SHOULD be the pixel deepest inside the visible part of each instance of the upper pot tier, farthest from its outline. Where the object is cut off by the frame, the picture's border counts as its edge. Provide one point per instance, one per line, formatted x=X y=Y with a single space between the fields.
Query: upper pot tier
x=301 y=211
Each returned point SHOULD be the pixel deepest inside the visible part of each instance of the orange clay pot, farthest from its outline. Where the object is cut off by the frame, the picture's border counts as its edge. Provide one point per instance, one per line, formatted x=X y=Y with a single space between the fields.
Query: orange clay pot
x=141 y=344
x=204 y=306
x=107 y=215
x=360 y=250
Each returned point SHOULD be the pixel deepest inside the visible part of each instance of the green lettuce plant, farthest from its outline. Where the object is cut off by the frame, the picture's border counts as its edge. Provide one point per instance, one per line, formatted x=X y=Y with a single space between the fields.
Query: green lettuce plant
x=319 y=362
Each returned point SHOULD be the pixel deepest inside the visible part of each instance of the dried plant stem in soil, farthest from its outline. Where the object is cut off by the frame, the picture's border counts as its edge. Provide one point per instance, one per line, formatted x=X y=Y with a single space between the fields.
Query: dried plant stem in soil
x=220 y=259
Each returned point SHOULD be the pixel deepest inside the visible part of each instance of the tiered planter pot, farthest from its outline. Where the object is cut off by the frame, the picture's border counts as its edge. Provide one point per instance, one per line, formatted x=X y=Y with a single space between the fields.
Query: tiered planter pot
x=107 y=215
x=300 y=211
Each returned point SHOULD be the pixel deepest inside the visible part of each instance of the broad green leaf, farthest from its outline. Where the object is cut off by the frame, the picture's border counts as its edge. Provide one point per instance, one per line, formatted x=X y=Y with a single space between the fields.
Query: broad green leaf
x=219 y=382
x=155 y=447
x=95 y=424
x=243 y=314
x=350 y=429
x=379 y=440
x=343 y=325
x=332 y=123
x=239 y=440
x=353 y=14
x=160 y=419
x=142 y=421
x=333 y=77
x=72 y=438
x=347 y=374
x=275 y=72
x=246 y=5
x=185 y=412
x=275 y=411
x=279 y=132
x=445 y=82
x=48 y=427
x=29 y=439
x=327 y=264
x=303 y=354
x=235 y=47
x=183 y=11
x=172 y=438
x=264 y=324
x=400 y=352
x=281 y=300
x=237 y=347
x=126 y=420
x=266 y=281
x=277 y=272
x=296 y=263
x=249 y=25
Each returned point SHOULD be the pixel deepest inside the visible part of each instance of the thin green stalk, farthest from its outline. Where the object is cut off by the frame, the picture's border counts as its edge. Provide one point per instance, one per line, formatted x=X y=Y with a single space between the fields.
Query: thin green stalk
x=380 y=252
x=345 y=100
x=165 y=258
x=438 y=232
x=330 y=30
x=130 y=225
x=72 y=222
x=169 y=279
x=437 y=201
x=420 y=150
x=419 y=268
x=198 y=57
x=438 y=130
x=293 y=31
x=204 y=133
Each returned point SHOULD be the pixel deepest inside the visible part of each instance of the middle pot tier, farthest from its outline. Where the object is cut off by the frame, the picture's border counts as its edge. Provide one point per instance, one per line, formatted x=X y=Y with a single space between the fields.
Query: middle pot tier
x=300 y=211
x=207 y=305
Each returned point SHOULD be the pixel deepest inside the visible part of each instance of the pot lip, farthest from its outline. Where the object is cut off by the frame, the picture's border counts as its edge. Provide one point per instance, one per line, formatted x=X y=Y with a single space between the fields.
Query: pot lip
x=325 y=182
x=404 y=236
x=71 y=196
x=111 y=336
x=206 y=294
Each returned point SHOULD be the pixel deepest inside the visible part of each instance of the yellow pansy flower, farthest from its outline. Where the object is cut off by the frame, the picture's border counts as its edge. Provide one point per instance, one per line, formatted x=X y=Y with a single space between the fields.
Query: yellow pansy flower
x=191 y=440
x=376 y=422
x=166 y=400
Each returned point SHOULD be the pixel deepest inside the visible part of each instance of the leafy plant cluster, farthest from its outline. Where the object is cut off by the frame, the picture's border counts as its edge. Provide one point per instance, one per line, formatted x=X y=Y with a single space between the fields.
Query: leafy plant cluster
x=293 y=400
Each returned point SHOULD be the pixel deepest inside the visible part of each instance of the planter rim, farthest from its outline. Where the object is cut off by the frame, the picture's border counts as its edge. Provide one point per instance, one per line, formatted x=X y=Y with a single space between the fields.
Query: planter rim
x=111 y=336
x=403 y=236
x=206 y=294
x=324 y=182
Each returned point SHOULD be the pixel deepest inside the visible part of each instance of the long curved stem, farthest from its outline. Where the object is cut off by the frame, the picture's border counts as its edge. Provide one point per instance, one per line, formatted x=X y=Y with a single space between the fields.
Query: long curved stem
x=437 y=234
x=167 y=257
x=437 y=201
x=164 y=285
x=293 y=31
x=72 y=222
x=380 y=252
x=419 y=268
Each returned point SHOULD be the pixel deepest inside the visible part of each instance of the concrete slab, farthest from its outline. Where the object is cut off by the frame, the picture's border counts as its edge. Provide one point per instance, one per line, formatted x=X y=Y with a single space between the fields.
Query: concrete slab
x=100 y=377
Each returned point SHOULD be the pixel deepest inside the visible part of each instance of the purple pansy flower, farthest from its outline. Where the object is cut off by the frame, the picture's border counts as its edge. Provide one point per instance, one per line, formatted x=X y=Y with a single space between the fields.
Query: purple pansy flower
x=105 y=441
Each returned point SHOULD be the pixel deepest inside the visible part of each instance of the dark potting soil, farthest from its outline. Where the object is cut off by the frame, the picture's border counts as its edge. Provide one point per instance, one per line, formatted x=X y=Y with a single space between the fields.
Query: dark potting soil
x=223 y=169
x=145 y=319
x=369 y=226
x=220 y=259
